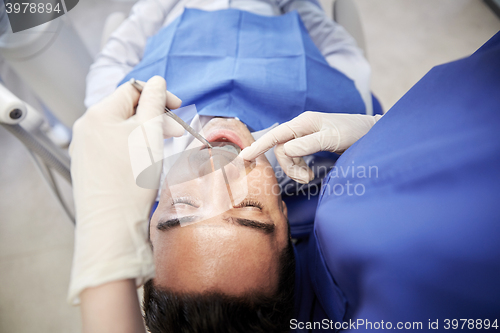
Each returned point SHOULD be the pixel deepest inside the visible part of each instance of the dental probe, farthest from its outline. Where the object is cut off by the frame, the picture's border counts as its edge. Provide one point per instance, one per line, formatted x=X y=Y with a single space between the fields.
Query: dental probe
x=172 y=115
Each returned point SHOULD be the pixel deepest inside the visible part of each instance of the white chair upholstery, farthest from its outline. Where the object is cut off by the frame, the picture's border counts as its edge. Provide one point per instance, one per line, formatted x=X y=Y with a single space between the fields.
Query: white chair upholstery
x=113 y=21
x=346 y=14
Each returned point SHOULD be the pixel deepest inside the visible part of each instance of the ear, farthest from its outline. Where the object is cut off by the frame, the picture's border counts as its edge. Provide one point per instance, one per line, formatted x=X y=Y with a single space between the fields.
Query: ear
x=284 y=209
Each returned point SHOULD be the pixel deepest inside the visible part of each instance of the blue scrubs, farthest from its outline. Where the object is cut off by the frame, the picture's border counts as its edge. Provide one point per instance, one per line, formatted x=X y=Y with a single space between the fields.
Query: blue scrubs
x=408 y=223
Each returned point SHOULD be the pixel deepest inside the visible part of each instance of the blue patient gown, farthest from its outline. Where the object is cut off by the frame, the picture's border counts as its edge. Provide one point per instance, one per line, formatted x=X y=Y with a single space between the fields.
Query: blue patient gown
x=418 y=240
x=233 y=63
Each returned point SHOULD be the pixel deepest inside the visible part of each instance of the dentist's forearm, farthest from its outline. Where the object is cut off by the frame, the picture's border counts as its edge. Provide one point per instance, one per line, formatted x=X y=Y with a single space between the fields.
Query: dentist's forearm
x=111 y=308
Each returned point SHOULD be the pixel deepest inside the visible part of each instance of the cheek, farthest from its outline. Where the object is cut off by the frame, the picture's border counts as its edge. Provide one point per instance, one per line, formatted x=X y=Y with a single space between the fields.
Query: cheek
x=255 y=187
x=269 y=171
x=275 y=190
x=262 y=181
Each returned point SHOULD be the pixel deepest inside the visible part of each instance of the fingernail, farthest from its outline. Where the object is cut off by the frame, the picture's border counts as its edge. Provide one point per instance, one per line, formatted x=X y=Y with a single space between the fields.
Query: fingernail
x=311 y=176
x=175 y=100
x=307 y=175
x=300 y=180
x=300 y=175
x=290 y=150
x=245 y=153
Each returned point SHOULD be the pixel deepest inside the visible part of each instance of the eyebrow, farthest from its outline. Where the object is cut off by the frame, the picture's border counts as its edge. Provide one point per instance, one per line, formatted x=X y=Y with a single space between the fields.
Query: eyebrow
x=172 y=223
x=266 y=228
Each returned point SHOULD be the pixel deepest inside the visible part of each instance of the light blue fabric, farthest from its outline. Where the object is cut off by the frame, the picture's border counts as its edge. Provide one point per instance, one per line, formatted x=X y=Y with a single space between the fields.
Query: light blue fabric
x=422 y=241
x=233 y=63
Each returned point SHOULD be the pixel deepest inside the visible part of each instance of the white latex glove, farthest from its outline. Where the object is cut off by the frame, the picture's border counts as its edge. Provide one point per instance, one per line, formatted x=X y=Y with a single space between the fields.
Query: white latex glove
x=309 y=133
x=111 y=210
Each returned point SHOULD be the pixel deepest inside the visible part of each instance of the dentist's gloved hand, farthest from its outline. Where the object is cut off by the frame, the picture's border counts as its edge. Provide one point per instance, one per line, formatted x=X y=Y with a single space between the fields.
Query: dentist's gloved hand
x=309 y=133
x=111 y=210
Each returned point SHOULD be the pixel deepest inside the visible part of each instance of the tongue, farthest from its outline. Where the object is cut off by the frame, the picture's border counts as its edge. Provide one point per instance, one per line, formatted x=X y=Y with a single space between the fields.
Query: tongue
x=221 y=140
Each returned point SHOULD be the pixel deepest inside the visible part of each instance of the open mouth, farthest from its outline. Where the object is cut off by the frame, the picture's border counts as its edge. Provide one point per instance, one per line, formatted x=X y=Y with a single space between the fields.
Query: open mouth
x=223 y=146
x=200 y=161
x=223 y=137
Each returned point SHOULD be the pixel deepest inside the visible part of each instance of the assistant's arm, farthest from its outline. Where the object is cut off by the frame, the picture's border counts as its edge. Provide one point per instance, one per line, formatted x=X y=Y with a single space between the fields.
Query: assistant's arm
x=125 y=48
x=337 y=46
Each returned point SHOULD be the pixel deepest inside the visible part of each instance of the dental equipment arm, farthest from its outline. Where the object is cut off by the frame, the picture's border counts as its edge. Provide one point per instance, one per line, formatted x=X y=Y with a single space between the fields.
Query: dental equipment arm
x=112 y=254
x=307 y=134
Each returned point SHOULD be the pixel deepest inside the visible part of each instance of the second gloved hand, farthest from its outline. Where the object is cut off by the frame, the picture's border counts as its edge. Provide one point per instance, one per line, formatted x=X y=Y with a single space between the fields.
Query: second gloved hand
x=307 y=134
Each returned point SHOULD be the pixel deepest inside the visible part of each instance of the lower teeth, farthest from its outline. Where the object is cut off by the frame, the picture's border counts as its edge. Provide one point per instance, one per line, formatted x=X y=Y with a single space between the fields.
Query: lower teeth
x=229 y=148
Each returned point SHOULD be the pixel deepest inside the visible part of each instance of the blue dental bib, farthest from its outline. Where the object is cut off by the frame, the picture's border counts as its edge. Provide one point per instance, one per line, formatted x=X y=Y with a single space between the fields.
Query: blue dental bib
x=233 y=63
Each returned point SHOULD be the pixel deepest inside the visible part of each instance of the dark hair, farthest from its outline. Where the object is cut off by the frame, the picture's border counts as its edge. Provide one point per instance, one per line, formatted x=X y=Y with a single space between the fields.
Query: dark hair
x=214 y=312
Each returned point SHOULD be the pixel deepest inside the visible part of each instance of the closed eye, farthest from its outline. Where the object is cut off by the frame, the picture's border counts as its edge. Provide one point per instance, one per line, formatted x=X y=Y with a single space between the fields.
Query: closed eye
x=249 y=203
x=184 y=200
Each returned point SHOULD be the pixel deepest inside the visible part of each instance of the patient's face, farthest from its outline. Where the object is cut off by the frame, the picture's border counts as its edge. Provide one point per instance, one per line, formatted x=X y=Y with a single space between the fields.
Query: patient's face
x=219 y=231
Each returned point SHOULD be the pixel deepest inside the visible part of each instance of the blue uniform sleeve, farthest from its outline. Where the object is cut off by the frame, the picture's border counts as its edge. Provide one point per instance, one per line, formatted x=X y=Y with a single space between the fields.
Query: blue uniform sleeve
x=408 y=222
